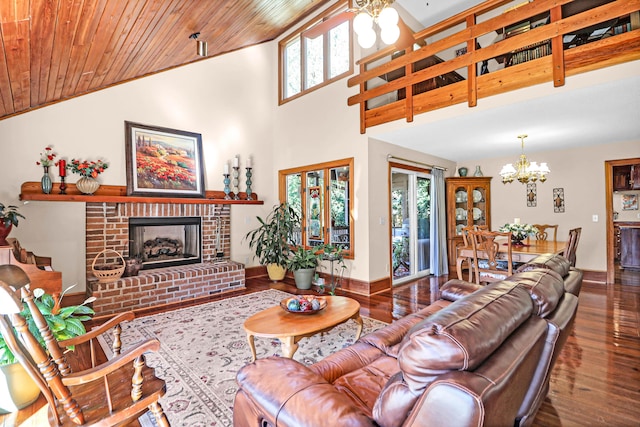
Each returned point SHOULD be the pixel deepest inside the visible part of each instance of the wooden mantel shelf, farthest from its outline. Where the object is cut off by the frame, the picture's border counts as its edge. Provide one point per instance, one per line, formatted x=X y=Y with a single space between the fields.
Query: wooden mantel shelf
x=118 y=194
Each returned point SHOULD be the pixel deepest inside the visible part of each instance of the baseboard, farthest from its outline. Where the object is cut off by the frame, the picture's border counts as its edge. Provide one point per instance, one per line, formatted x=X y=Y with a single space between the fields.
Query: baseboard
x=594 y=276
x=252 y=272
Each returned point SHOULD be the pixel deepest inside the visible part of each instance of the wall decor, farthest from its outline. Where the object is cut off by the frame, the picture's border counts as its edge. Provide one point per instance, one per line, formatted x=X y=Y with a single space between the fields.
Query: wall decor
x=163 y=162
x=532 y=195
x=558 y=200
x=629 y=202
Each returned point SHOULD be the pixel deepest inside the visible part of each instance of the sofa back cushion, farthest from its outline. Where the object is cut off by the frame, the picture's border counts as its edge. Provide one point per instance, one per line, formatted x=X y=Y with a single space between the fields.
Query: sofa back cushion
x=464 y=334
x=546 y=288
x=554 y=262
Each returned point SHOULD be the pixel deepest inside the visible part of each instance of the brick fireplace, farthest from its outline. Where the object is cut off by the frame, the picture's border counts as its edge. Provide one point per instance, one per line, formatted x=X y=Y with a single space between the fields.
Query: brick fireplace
x=107 y=227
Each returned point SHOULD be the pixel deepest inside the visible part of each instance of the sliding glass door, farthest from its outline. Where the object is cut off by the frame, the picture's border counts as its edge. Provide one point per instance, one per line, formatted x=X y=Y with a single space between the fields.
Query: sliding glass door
x=410 y=224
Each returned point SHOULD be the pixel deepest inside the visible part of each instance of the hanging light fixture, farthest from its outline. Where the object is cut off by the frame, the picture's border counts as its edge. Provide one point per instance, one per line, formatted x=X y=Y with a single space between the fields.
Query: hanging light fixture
x=201 y=45
x=375 y=11
x=524 y=170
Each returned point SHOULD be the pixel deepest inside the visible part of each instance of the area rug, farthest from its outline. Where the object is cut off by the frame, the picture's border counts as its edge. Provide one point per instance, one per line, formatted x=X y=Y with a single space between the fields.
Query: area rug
x=203 y=347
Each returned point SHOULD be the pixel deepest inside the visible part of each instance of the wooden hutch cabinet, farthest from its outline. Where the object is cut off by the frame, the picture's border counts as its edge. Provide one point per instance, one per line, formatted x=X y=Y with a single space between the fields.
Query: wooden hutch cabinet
x=468 y=204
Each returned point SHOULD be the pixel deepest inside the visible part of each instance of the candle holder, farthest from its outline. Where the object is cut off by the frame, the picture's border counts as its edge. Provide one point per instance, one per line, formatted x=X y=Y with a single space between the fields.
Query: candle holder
x=227 y=190
x=63 y=186
x=236 y=183
x=249 y=192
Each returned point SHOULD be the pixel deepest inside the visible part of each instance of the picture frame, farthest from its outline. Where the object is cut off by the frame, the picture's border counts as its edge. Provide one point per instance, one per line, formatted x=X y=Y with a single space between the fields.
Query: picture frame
x=163 y=162
x=629 y=202
x=532 y=195
x=558 y=200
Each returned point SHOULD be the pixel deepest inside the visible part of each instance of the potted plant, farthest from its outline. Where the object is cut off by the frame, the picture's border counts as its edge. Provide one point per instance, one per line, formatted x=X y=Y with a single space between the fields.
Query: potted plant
x=17 y=388
x=9 y=216
x=333 y=254
x=273 y=239
x=303 y=263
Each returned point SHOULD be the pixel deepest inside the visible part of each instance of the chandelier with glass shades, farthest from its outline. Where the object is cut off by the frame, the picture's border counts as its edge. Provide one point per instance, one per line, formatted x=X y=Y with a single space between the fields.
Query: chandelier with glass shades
x=524 y=170
x=375 y=11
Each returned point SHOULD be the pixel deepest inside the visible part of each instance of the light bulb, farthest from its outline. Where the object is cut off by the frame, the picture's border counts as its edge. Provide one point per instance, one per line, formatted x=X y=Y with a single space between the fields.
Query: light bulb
x=390 y=34
x=362 y=22
x=388 y=17
x=367 y=38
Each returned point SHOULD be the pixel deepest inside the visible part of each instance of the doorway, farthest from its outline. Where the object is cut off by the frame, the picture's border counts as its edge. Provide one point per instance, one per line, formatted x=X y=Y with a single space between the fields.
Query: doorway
x=410 y=223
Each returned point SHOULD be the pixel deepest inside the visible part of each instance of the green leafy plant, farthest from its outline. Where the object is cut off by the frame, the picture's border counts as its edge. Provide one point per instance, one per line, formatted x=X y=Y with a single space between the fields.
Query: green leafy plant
x=303 y=258
x=334 y=255
x=9 y=215
x=519 y=231
x=64 y=322
x=273 y=239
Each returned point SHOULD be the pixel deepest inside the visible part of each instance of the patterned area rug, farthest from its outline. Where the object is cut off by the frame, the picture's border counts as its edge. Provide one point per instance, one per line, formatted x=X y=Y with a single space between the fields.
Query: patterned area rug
x=203 y=347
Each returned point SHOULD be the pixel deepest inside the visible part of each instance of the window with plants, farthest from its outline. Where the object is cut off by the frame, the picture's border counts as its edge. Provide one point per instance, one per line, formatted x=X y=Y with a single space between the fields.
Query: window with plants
x=321 y=195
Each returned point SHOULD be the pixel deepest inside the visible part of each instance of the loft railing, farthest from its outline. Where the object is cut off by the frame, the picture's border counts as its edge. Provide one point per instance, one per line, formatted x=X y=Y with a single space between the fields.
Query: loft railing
x=536 y=42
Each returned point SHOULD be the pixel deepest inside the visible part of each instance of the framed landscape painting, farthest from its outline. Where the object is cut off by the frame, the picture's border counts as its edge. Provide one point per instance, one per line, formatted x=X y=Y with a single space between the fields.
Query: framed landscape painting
x=163 y=162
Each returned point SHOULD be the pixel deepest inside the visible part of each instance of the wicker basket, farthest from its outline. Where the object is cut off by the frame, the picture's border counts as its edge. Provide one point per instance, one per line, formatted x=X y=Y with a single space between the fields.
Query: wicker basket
x=111 y=275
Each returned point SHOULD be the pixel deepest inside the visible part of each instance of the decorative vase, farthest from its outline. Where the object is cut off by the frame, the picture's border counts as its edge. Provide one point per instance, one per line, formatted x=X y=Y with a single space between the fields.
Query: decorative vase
x=462 y=171
x=478 y=172
x=17 y=389
x=45 y=182
x=517 y=240
x=4 y=232
x=87 y=185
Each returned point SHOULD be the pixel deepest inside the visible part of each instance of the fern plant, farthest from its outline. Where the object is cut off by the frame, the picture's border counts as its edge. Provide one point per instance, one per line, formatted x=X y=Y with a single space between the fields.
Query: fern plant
x=64 y=322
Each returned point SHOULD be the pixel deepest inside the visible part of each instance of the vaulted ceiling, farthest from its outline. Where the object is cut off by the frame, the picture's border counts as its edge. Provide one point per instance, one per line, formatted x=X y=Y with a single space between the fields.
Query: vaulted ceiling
x=57 y=49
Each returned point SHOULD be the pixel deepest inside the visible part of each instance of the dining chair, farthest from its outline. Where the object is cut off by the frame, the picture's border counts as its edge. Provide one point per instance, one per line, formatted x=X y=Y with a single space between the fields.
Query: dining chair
x=543 y=234
x=461 y=261
x=572 y=245
x=490 y=263
x=112 y=393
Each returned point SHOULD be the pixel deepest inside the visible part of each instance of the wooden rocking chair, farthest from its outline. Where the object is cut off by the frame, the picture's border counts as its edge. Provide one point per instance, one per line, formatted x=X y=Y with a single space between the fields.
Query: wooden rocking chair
x=108 y=394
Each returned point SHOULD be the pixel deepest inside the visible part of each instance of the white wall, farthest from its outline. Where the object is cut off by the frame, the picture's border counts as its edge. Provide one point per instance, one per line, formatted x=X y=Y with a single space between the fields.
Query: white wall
x=229 y=99
x=581 y=174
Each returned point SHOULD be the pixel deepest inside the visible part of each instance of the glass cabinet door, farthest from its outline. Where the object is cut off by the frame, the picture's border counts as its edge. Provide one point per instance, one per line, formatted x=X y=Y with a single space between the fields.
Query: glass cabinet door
x=462 y=208
x=478 y=206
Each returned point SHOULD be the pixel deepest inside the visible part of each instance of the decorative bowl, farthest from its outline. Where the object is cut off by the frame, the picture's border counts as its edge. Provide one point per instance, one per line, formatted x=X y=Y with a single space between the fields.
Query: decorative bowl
x=304 y=304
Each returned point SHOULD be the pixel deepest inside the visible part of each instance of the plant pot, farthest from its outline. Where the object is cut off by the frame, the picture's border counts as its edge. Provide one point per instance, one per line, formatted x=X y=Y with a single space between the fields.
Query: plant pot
x=4 y=232
x=17 y=389
x=276 y=272
x=87 y=185
x=304 y=277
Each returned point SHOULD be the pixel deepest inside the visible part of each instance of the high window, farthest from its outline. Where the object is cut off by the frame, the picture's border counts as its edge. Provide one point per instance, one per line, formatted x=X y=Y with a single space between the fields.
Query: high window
x=314 y=55
x=321 y=194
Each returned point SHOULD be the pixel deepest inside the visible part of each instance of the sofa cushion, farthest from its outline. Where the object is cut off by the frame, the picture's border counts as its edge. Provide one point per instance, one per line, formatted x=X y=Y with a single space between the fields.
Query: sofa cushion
x=464 y=334
x=554 y=262
x=546 y=288
x=455 y=289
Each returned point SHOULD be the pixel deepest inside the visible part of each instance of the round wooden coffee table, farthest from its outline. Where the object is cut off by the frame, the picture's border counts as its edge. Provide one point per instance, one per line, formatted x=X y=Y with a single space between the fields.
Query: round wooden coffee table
x=289 y=328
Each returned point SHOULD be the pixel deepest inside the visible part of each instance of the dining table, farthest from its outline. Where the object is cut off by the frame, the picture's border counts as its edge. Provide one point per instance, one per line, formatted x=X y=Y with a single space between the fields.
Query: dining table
x=519 y=253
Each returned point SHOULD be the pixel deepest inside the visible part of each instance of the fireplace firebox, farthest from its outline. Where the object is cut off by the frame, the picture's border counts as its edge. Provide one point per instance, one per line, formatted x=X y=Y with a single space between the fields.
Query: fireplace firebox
x=165 y=241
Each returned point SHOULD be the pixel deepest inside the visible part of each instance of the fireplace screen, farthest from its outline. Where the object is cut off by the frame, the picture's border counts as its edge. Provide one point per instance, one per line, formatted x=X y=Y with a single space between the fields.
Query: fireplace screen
x=165 y=242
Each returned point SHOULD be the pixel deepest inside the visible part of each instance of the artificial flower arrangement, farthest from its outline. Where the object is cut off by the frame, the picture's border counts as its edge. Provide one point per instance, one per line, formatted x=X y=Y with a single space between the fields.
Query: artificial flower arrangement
x=46 y=157
x=519 y=231
x=89 y=169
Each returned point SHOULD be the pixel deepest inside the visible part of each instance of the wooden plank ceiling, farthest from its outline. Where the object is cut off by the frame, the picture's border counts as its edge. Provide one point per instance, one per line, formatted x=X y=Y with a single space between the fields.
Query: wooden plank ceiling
x=57 y=49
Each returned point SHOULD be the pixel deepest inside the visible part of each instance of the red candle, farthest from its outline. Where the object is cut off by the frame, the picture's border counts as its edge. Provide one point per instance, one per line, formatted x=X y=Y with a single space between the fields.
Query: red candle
x=63 y=167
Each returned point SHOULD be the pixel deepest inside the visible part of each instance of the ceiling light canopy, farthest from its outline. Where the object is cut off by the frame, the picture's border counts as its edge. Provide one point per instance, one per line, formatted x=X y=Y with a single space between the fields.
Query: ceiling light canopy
x=524 y=170
x=375 y=11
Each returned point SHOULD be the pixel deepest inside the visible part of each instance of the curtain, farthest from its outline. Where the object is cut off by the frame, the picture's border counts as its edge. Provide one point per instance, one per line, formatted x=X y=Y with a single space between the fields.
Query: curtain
x=439 y=262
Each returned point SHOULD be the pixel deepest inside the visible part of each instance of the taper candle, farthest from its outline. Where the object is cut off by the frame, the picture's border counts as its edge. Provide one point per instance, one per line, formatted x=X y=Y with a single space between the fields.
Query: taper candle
x=62 y=164
x=226 y=169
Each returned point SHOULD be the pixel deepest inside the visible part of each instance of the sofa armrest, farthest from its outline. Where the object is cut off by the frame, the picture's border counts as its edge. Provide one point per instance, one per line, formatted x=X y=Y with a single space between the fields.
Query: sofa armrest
x=284 y=392
x=455 y=289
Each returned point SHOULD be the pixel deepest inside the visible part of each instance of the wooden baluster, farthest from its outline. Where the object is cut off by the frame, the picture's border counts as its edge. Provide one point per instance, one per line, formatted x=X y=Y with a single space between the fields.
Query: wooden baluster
x=50 y=341
x=117 y=343
x=136 y=380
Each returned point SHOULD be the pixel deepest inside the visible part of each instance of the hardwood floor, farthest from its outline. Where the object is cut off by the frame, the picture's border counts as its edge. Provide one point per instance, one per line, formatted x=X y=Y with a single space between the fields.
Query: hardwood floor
x=596 y=380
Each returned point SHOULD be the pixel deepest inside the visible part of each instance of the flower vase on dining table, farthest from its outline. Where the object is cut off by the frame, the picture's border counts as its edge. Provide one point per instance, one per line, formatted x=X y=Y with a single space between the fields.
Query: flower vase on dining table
x=87 y=185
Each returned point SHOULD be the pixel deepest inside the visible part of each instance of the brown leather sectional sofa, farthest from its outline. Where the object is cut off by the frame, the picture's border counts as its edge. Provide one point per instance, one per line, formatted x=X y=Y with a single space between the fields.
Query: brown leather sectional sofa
x=478 y=356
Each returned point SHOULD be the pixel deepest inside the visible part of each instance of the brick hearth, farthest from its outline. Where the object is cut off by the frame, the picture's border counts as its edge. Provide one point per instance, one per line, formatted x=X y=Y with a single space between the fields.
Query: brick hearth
x=107 y=227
